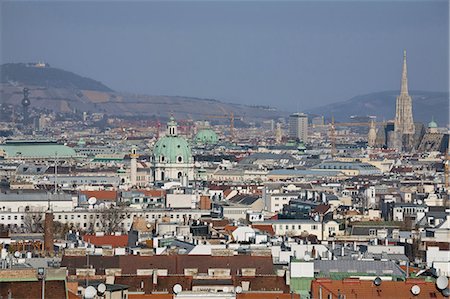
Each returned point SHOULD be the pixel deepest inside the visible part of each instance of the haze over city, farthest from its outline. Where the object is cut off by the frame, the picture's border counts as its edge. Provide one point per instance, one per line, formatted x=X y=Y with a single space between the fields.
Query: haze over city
x=290 y=55
x=224 y=150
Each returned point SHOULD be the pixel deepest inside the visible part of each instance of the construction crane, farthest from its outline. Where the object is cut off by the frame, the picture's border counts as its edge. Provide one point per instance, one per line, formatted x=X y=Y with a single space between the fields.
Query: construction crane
x=229 y=116
x=332 y=128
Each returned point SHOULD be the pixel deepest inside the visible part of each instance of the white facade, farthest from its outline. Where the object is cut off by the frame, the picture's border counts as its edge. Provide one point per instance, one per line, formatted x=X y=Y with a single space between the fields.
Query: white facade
x=187 y=201
x=275 y=202
x=297 y=227
x=82 y=219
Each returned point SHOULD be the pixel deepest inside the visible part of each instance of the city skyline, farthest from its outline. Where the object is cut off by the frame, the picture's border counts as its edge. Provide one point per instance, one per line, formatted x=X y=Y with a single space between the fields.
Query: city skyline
x=253 y=53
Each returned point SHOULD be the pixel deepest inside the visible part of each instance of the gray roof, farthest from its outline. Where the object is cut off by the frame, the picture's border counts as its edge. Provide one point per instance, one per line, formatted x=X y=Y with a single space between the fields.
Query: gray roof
x=364 y=230
x=244 y=199
x=380 y=268
x=34 y=196
x=300 y=172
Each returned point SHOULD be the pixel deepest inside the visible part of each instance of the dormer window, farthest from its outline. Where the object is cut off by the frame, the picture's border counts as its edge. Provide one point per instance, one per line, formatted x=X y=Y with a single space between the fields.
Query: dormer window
x=180 y=159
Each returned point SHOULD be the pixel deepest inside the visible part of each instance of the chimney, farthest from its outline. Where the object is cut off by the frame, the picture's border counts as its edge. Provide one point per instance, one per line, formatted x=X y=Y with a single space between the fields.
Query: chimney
x=155 y=277
x=48 y=232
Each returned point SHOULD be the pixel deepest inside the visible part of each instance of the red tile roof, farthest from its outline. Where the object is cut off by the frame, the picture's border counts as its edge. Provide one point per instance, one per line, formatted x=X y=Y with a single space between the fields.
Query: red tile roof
x=107 y=240
x=153 y=192
x=230 y=228
x=354 y=288
x=175 y=264
x=101 y=194
x=54 y=289
x=265 y=228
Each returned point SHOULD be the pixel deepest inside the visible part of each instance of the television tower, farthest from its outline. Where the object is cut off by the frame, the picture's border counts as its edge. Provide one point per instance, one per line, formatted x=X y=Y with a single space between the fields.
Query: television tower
x=25 y=104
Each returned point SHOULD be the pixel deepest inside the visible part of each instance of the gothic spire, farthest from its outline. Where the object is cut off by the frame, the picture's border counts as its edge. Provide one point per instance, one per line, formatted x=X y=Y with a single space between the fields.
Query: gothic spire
x=404 y=88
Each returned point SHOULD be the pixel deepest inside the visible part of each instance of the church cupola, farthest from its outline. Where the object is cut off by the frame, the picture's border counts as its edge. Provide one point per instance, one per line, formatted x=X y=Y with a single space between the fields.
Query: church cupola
x=172 y=127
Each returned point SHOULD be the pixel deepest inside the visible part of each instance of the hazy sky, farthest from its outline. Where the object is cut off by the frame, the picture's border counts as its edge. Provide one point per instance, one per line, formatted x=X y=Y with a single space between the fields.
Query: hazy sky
x=292 y=55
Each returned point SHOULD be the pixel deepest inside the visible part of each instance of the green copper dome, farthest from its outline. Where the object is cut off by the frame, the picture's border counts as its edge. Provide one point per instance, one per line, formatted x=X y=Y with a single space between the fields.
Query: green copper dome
x=432 y=124
x=206 y=137
x=172 y=149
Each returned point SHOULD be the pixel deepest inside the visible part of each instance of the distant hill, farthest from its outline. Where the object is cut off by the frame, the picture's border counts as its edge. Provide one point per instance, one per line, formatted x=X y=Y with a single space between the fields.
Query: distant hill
x=63 y=91
x=46 y=76
x=426 y=104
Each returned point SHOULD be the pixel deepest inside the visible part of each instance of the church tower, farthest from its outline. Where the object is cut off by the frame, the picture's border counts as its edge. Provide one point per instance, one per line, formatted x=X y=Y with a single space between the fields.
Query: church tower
x=372 y=135
x=404 y=123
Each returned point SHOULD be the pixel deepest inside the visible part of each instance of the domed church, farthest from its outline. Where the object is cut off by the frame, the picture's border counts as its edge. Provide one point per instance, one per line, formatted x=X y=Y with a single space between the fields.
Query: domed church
x=206 y=137
x=172 y=157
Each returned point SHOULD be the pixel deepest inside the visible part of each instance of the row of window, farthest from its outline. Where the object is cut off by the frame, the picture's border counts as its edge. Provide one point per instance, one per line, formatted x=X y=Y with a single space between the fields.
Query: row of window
x=97 y=216
x=294 y=226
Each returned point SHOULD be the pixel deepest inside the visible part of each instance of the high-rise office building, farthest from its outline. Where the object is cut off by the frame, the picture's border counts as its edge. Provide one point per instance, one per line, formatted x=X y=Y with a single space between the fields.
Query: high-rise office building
x=298 y=126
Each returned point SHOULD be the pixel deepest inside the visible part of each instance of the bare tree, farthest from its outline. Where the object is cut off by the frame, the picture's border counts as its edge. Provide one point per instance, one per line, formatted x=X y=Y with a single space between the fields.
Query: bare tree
x=111 y=218
x=33 y=222
x=60 y=229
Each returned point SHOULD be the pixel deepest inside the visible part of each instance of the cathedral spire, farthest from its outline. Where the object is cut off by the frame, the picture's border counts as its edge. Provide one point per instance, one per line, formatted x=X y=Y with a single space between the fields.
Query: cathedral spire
x=404 y=88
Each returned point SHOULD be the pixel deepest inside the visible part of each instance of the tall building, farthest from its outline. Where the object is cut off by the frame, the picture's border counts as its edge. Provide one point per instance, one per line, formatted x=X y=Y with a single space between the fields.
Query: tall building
x=298 y=126
x=404 y=128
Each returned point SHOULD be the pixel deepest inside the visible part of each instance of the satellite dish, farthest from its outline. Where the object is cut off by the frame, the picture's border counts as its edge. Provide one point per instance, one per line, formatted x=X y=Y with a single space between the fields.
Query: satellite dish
x=238 y=289
x=225 y=289
x=177 y=288
x=101 y=289
x=307 y=258
x=17 y=254
x=92 y=200
x=90 y=292
x=442 y=282
x=415 y=290
x=377 y=281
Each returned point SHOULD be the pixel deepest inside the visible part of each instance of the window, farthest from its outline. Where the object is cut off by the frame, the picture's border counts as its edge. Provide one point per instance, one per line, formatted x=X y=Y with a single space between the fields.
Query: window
x=180 y=159
x=314 y=226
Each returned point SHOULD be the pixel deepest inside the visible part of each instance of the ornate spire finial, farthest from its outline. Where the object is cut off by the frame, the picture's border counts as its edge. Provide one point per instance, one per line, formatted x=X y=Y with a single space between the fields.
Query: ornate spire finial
x=404 y=87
